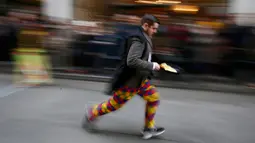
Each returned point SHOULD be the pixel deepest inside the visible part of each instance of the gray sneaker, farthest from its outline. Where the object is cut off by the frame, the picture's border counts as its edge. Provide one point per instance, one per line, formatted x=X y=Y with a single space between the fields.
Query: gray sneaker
x=152 y=132
x=88 y=124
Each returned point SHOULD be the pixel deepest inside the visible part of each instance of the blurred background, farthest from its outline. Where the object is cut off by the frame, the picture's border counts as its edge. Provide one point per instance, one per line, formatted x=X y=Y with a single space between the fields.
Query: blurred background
x=211 y=41
x=71 y=48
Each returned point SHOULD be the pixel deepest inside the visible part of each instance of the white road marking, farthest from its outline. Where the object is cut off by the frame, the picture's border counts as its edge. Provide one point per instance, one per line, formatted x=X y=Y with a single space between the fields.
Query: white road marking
x=11 y=89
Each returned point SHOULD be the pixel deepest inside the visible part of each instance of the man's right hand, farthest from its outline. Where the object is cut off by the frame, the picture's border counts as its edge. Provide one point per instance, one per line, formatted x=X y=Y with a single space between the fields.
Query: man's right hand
x=156 y=66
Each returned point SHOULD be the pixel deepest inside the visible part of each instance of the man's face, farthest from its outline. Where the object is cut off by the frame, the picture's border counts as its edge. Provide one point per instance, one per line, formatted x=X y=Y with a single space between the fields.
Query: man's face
x=151 y=30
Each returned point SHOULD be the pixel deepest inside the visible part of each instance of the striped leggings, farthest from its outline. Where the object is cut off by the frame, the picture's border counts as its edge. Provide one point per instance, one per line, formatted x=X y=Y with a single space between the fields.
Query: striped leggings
x=147 y=91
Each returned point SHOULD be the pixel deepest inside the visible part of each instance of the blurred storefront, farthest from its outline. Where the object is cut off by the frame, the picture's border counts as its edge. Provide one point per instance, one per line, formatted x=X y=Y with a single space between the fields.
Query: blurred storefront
x=184 y=8
x=92 y=30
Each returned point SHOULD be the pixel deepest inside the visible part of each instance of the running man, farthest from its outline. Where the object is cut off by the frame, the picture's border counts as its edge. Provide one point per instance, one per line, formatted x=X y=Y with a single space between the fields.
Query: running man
x=133 y=77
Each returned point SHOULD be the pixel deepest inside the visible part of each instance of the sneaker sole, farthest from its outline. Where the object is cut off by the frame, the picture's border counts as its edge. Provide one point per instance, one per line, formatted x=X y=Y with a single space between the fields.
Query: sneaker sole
x=152 y=135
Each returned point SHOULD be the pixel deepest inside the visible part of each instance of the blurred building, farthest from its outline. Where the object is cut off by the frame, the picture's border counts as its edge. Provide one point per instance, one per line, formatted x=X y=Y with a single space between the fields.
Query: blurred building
x=93 y=9
x=186 y=9
x=90 y=9
x=243 y=11
x=25 y=5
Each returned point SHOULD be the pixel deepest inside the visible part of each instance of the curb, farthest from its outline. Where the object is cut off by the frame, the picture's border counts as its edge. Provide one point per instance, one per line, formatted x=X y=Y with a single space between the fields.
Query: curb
x=220 y=86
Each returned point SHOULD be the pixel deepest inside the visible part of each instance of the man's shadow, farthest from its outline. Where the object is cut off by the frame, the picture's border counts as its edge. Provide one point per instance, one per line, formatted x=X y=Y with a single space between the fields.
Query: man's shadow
x=123 y=134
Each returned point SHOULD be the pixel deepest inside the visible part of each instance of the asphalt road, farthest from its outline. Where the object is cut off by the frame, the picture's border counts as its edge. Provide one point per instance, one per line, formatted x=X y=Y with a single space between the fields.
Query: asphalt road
x=52 y=114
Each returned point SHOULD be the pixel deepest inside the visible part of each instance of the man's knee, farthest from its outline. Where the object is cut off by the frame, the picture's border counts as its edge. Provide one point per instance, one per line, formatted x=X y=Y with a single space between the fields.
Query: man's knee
x=154 y=98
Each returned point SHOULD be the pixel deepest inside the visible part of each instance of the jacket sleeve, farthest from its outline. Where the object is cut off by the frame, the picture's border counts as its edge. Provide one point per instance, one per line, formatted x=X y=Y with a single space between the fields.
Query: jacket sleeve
x=134 y=57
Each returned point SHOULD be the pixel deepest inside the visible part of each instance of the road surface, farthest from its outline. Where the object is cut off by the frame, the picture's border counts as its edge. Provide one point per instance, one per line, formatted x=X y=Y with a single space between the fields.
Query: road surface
x=53 y=114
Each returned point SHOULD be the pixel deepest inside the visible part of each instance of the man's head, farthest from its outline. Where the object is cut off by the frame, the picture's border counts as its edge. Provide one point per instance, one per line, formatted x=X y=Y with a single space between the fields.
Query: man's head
x=150 y=24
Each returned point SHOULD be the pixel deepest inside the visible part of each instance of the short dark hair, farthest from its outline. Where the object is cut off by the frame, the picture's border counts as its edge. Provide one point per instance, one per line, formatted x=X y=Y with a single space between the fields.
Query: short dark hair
x=150 y=19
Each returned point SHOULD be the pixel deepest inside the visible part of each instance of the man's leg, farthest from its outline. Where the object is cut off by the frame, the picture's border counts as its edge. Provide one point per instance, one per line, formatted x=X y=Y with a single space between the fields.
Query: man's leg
x=149 y=93
x=120 y=97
